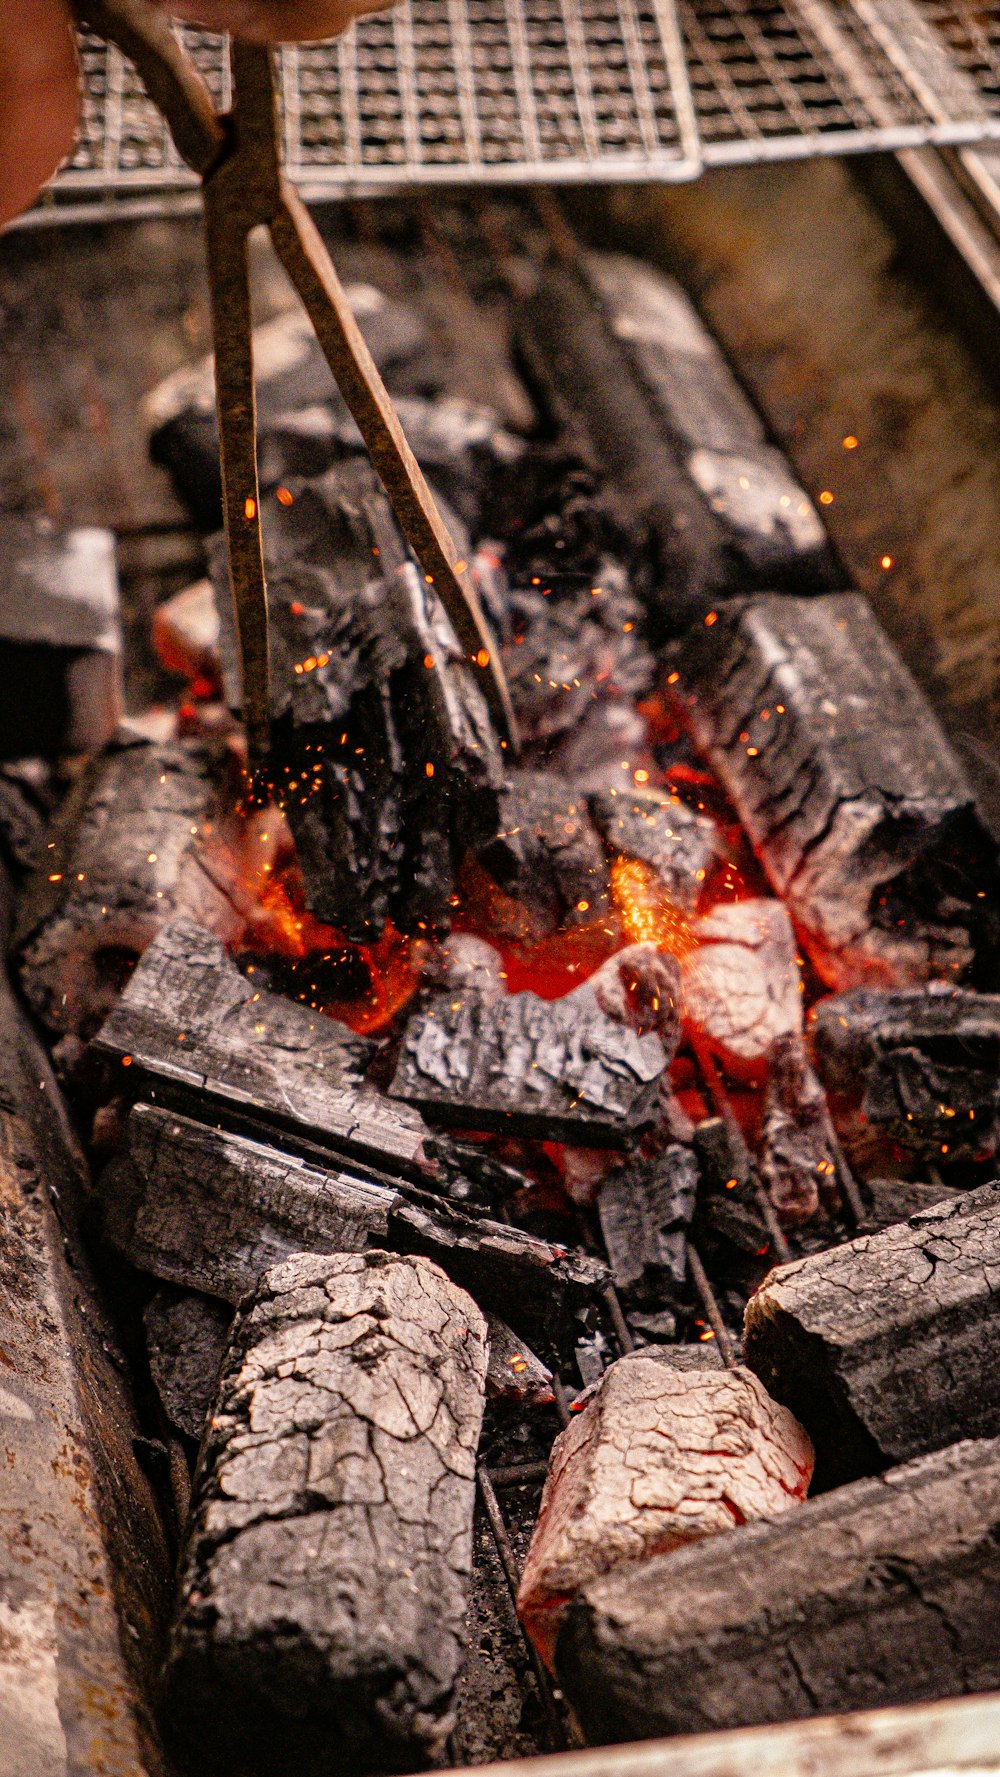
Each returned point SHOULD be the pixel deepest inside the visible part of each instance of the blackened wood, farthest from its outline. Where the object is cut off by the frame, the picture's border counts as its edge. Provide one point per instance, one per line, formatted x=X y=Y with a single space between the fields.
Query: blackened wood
x=797 y=1165
x=881 y=1592
x=191 y=1027
x=210 y=1210
x=662 y=831
x=128 y=854
x=384 y=757
x=323 y=1591
x=546 y=854
x=565 y=1070
x=921 y=1066
x=859 y=810
x=886 y=1201
x=186 y=1335
x=888 y=1346
x=644 y=1211
x=514 y=1372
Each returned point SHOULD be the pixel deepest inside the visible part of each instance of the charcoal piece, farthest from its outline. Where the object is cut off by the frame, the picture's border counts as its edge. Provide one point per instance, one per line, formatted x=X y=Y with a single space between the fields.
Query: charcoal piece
x=132 y=849
x=644 y=1211
x=740 y=983
x=29 y=789
x=887 y=1347
x=659 y=1456
x=465 y=963
x=194 y=1030
x=604 y=749
x=186 y=1337
x=891 y=1200
x=210 y=1210
x=859 y=810
x=291 y=372
x=460 y=445
x=679 y=845
x=629 y=373
x=920 y=1066
x=881 y=1592
x=545 y=853
x=186 y=632
x=384 y=757
x=574 y=1069
x=722 y=1160
x=323 y=1589
x=797 y=1167
x=514 y=1372
x=60 y=638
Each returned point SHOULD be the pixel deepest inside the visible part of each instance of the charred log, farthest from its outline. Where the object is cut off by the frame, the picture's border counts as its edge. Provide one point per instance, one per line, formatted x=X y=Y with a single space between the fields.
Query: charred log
x=678 y=845
x=546 y=854
x=186 y=1338
x=740 y=983
x=644 y=1212
x=881 y=1592
x=887 y=1347
x=514 y=1372
x=860 y=812
x=323 y=1591
x=797 y=1164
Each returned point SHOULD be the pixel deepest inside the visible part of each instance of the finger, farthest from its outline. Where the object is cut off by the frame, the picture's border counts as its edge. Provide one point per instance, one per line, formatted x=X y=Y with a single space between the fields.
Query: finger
x=273 y=21
x=39 y=98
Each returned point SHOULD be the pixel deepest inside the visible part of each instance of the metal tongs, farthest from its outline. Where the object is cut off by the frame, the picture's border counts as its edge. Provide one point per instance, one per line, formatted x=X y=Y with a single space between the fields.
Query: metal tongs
x=237 y=157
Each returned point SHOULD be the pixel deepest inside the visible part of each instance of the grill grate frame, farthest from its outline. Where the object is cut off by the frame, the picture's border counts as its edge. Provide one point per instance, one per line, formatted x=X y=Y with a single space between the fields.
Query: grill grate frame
x=564 y=91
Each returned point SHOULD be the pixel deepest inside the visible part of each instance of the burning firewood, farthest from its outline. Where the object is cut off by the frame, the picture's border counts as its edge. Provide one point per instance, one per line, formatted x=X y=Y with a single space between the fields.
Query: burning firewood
x=659 y=1456
x=740 y=983
x=797 y=1146
x=880 y=1592
x=860 y=812
x=887 y=1347
x=135 y=846
x=384 y=757
x=678 y=845
x=919 y=1067
x=60 y=639
x=546 y=855
x=644 y=1210
x=186 y=1337
x=323 y=1589
x=630 y=374
x=193 y=1027
x=584 y=1068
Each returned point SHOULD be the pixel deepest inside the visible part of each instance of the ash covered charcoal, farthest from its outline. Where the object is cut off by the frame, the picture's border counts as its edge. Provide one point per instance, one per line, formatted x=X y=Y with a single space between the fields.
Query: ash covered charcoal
x=186 y=1336
x=384 y=758
x=323 y=1588
x=797 y=1166
x=859 y=810
x=631 y=376
x=887 y=1347
x=662 y=831
x=890 y=1200
x=546 y=855
x=661 y=1455
x=740 y=983
x=919 y=1067
x=514 y=1372
x=881 y=1592
x=186 y=632
x=644 y=1212
x=197 y=1031
x=584 y=1069
x=290 y=372
x=211 y=1210
x=60 y=638
x=132 y=849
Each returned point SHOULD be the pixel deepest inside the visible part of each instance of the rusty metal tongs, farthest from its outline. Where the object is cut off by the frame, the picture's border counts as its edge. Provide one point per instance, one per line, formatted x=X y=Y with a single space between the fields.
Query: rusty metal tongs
x=237 y=157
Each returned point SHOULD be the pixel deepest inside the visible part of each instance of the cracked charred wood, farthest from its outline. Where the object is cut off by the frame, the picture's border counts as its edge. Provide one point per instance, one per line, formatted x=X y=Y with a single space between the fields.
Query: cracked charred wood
x=740 y=983
x=660 y=1455
x=679 y=845
x=631 y=376
x=384 y=757
x=514 y=1372
x=887 y=1201
x=192 y=1030
x=323 y=1590
x=887 y=1347
x=797 y=1167
x=186 y=1337
x=644 y=1211
x=546 y=855
x=132 y=848
x=210 y=1210
x=84 y=1561
x=585 y=1068
x=880 y=1592
x=60 y=638
x=290 y=372
x=859 y=810
x=919 y=1067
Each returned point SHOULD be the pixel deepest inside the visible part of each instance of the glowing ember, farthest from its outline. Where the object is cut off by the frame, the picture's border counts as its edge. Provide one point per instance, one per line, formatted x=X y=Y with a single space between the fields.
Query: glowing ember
x=646 y=912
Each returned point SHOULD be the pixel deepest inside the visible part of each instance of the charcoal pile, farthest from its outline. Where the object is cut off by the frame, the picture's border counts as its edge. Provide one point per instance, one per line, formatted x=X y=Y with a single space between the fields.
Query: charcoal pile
x=548 y=1187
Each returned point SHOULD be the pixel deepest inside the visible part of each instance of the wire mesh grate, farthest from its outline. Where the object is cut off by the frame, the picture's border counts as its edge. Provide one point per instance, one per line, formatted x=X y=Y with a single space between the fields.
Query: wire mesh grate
x=472 y=91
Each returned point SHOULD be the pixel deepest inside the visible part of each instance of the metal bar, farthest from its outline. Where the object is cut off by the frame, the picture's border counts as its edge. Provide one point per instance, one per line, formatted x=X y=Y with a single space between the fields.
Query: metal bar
x=638 y=75
x=347 y=51
x=509 y=1565
x=465 y=79
x=402 y=30
x=672 y=42
x=521 y=69
x=516 y=1474
x=699 y=1278
x=623 y=1332
x=583 y=92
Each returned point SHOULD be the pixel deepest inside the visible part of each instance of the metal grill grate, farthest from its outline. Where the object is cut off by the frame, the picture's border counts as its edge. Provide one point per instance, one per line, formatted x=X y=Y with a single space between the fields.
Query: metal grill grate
x=567 y=90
